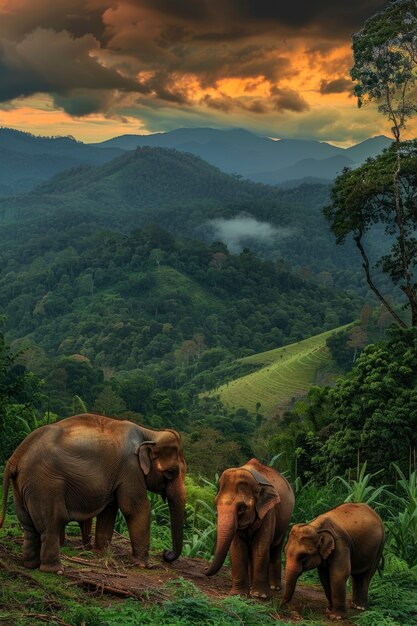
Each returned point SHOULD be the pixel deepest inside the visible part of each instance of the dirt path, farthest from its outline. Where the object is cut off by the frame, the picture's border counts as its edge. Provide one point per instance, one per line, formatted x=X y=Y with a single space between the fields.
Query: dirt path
x=114 y=574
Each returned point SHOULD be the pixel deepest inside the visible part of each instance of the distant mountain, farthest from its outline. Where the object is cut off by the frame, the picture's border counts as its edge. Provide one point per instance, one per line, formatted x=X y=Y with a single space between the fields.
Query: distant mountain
x=27 y=160
x=257 y=158
x=368 y=148
x=311 y=169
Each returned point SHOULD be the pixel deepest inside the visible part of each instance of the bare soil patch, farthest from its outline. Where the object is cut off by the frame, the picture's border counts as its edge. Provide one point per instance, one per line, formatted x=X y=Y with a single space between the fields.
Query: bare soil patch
x=114 y=574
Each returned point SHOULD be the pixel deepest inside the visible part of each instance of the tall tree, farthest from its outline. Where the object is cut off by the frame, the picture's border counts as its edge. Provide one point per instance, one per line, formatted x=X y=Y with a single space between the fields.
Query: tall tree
x=364 y=200
x=385 y=72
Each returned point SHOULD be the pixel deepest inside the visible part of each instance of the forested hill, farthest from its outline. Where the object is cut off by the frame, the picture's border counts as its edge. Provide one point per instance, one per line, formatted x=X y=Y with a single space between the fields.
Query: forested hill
x=186 y=195
x=149 y=299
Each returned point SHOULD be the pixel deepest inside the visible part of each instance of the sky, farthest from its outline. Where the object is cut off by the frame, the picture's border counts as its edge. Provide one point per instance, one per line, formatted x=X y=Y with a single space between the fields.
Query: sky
x=95 y=69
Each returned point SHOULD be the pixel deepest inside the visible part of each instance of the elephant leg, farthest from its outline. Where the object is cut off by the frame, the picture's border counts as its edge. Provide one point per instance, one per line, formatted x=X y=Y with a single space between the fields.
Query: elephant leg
x=261 y=545
x=86 y=532
x=240 y=566
x=50 y=557
x=360 y=586
x=31 y=547
x=104 y=526
x=275 y=565
x=325 y=582
x=338 y=579
x=31 y=537
x=138 y=520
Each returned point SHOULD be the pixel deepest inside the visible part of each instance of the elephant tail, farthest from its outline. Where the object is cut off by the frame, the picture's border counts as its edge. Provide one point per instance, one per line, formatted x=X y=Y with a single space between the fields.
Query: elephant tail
x=6 y=481
x=381 y=565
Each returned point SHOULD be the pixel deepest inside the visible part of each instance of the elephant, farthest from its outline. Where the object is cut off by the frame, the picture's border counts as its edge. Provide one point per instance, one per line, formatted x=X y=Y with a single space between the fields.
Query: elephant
x=347 y=540
x=91 y=465
x=254 y=507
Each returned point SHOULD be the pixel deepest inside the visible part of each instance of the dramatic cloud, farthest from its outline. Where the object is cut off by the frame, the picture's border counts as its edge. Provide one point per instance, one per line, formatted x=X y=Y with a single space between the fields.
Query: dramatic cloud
x=51 y=62
x=263 y=65
x=338 y=85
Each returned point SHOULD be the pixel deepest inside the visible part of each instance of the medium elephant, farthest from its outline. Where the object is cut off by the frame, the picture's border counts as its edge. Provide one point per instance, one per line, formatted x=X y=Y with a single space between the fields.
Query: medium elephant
x=254 y=506
x=347 y=540
x=90 y=465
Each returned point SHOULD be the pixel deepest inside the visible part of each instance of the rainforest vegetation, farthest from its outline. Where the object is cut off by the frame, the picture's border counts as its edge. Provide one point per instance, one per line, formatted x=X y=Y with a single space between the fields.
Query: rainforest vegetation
x=121 y=294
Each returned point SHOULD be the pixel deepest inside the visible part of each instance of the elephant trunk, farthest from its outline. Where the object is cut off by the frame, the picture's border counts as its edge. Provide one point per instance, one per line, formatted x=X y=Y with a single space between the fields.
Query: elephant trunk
x=175 y=494
x=292 y=572
x=226 y=529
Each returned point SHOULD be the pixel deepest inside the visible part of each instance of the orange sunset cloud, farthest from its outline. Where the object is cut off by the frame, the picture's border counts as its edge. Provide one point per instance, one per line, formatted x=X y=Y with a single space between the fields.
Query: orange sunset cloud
x=97 y=68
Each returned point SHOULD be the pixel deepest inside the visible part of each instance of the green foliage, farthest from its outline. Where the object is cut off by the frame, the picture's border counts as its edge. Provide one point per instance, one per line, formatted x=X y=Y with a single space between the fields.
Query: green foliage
x=372 y=413
x=361 y=489
x=162 y=327
x=193 y=608
x=402 y=520
x=392 y=600
x=285 y=374
x=311 y=500
x=385 y=62
x=20 y=395
x=365 y=200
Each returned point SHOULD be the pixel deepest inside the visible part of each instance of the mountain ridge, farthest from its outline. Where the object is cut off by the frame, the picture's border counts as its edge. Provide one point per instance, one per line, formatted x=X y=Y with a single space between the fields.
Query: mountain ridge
x=235 y=151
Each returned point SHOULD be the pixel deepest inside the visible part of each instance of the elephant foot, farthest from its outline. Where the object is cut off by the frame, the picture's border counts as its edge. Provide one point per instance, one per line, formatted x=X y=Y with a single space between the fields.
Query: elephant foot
x=143 y=563
x=239 y=591
x=358 y=607
x=333 y=615
x=275 y=587
x=261 y=593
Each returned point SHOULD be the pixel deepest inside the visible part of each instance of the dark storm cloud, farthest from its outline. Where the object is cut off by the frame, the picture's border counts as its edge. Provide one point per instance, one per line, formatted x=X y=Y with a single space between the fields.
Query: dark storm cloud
x=327 y=16
x=288 y=100
x=45 y=61
x=78 y=17
x=82 y=52
x=338 y=85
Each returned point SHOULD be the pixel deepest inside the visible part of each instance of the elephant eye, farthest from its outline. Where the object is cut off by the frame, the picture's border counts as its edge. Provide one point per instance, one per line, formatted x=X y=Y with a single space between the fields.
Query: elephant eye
x=171 y=473
x=240 y=508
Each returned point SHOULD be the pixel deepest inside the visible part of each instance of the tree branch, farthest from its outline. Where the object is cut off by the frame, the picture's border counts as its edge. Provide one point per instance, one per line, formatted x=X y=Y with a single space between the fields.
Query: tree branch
x=372 y=285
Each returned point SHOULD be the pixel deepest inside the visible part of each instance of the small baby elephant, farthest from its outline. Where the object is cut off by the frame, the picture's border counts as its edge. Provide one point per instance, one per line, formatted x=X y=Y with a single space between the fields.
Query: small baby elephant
x=347 y=540
x=254 y=506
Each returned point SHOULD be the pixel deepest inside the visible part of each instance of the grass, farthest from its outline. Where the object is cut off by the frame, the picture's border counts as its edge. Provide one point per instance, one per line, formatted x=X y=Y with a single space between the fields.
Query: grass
x=286 y=373
x=29 y=597
x=168 y=280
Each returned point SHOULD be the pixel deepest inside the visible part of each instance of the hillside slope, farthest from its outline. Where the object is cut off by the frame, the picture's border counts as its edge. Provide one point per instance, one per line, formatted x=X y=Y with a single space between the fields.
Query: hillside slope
x=286 y=373
x=184 y=194
x=27 y=160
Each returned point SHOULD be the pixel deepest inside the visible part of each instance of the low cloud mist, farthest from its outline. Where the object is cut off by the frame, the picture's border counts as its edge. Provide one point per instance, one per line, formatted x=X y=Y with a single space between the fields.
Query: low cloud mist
x=237 y=232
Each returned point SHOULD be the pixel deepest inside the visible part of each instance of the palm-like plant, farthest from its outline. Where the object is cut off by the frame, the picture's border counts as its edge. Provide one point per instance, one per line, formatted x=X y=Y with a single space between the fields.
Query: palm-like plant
x=402 y=523
x=361 y=490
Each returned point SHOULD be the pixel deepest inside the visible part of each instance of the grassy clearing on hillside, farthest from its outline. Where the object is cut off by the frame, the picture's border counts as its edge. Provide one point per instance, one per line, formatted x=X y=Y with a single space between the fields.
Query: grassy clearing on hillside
x=287 y=373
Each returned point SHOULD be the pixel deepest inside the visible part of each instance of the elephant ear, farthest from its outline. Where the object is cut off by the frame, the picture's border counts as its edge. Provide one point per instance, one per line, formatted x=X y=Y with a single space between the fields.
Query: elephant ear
x=326 y=543
x=268 y=497
x=144 y=454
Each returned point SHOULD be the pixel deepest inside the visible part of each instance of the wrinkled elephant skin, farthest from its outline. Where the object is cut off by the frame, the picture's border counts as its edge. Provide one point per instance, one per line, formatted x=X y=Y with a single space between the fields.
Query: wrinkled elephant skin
x=347 y=540
x=90 y=465
x=254 y=507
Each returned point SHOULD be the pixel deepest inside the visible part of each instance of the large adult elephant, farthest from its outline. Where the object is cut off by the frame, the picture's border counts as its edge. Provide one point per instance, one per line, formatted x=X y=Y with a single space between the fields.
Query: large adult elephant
x=254 y=507
x=347 y=540
x=90 y=465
